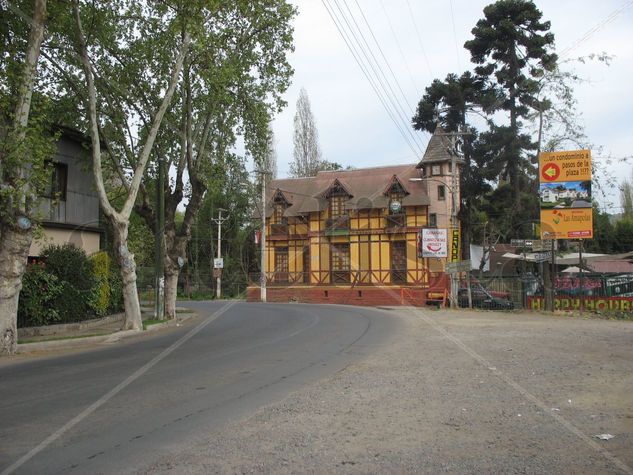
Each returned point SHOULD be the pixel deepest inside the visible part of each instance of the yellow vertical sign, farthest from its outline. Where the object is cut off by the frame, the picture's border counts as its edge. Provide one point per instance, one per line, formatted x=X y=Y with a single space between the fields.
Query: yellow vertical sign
x=455 y=245
x=565 y=195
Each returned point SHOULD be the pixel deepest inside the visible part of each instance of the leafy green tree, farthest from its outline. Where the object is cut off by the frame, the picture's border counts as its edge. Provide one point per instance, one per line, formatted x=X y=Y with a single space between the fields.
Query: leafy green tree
x=23 y=148
x=448 y=103
x=512 y=48
x=233 y=78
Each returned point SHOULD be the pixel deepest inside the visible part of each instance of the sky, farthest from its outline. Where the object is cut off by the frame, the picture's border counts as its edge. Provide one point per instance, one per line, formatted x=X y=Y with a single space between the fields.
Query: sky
x=422 y=41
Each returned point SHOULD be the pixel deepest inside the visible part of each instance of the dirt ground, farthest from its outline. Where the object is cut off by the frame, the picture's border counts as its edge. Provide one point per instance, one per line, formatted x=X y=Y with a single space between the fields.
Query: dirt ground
x=452 y=392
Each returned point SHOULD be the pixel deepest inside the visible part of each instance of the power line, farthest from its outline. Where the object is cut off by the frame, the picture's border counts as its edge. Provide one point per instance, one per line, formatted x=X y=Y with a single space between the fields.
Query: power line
x=417 y=31
x=459 y=63
x=589 y=33
x=386 y=61
x=363 y=68
x=395 y=37
x=374 y=82
x=376 y=68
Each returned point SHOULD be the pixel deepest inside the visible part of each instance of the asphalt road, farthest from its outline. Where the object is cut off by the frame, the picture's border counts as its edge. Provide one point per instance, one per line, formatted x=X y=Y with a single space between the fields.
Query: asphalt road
x=120 y=408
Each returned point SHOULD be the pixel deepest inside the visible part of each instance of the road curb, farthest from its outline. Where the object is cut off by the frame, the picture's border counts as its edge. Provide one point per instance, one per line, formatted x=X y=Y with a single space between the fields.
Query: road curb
x=80 y=342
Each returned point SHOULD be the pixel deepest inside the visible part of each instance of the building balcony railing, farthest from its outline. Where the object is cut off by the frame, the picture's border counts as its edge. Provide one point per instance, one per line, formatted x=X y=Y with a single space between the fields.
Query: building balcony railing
x=337 y=226
x=395 y=221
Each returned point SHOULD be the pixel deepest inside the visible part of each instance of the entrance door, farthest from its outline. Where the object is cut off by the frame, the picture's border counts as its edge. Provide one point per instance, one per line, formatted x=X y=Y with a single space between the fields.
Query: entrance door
x=281 y=264
x=398 y=262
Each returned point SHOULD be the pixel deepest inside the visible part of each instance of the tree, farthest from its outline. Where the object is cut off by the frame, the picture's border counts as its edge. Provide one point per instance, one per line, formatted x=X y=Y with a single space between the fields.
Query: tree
x=133 y=55
x=511 y=47
x=233 y=78
x=626 y=199
x=22 y=152
x=447 y=104
x=306 y=152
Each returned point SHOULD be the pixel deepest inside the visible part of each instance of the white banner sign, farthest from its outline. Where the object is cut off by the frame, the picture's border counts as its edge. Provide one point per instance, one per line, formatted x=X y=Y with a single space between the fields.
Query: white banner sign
x=434 y=242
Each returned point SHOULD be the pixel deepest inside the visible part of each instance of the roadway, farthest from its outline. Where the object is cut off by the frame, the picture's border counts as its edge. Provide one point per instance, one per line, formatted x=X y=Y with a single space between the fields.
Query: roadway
x=122 y=407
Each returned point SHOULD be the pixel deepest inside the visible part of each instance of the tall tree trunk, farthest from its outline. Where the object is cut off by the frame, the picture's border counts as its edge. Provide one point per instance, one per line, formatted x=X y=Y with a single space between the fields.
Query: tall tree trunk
x=171 y=290
x=125 y=258
x=14 y=250
x=15 y=243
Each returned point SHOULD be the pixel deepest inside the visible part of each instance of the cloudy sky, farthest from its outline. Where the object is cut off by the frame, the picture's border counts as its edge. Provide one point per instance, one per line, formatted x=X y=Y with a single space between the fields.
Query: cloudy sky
x=423 y=40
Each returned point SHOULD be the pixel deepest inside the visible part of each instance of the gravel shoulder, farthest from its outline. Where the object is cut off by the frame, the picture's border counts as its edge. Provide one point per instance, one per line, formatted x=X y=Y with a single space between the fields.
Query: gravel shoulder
x=452 y=392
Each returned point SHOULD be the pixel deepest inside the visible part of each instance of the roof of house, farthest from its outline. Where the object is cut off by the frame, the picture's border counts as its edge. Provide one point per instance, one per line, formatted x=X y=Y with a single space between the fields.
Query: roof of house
x=438 y=149
x=366 y=187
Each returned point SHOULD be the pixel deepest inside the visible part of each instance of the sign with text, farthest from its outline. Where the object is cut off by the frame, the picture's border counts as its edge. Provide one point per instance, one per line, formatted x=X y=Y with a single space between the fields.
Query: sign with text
x=565 y=195
x=433 y=243
x=218 y=263
x=454 y=245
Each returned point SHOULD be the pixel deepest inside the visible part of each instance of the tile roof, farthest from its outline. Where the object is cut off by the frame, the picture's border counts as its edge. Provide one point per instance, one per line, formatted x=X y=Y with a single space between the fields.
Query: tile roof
x=438 y=149
x=365 y=185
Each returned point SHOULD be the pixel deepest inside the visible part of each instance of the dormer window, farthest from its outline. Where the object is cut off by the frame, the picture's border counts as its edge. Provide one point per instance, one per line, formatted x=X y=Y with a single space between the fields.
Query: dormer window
x=396 y=193
x=337 y=195
x=337 y=206
x=280 y=203
x=278 y=213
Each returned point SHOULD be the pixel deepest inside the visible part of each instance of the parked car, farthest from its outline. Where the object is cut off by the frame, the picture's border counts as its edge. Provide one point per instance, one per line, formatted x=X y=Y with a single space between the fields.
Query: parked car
x=482 y=298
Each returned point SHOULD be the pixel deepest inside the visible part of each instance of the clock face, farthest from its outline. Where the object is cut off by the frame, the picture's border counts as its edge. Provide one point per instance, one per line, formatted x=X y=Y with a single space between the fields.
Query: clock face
x=395 y=206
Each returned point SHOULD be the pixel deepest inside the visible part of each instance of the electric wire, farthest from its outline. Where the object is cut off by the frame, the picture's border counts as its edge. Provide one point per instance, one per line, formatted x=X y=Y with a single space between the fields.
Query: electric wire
x=386 y=61
x=589 y=33
x=417 y=31
x=459 y=63
x=353 y=50
x=376 y=68
x=395 y=37
x=371 y=81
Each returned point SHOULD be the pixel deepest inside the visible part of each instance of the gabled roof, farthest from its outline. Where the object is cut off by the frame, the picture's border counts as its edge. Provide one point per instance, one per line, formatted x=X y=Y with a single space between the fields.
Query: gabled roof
x=397 y=184
x=336 y=187
x=438 y=149
x=365 y=186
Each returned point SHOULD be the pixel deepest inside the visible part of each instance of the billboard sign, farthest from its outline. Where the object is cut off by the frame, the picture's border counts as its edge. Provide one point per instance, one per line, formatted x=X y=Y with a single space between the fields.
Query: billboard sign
x=434 y=242
x=565 y=195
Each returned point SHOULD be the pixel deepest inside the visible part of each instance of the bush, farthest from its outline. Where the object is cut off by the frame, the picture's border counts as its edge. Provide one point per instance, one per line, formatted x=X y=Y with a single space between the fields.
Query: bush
x=74 y=270
x=101 y=270
x=39 y=292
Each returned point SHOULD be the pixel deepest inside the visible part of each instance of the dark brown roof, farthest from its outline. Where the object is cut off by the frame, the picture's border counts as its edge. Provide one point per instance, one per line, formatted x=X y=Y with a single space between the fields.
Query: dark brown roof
x=438 y=149
x=365 y=185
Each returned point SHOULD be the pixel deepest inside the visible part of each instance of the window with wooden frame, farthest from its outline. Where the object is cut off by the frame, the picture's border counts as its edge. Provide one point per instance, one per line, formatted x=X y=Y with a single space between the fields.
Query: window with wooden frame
x=58 y=184
x=340 y=262
x=337 y=205
x=441 y=192
x=278 y=213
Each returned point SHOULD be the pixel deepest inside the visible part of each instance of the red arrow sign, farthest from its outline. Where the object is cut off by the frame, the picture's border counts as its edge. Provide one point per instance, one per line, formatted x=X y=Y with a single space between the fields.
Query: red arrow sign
x=550 y=172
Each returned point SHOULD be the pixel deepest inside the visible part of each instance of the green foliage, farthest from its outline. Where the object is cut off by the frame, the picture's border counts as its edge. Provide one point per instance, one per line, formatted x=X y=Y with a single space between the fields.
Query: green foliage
x=40 y=291
x=623 y=236
x=101 y=270
x=75 y=273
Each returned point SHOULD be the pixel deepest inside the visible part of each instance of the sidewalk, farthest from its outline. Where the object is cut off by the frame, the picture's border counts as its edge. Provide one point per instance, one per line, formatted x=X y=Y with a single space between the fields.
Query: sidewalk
x=90 y=333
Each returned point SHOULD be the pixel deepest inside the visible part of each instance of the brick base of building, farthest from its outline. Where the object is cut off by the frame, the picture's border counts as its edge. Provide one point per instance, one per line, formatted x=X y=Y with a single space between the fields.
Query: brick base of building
x=366 y=295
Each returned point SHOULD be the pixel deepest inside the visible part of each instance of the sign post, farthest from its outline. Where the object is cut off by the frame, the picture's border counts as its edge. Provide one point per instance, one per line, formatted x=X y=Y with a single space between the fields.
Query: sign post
x=565 y=199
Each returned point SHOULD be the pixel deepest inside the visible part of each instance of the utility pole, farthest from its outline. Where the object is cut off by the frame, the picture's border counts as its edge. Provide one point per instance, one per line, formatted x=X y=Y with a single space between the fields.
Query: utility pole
x=262 y=277
x=219 y=221
x=159 y=237
x=453 y=151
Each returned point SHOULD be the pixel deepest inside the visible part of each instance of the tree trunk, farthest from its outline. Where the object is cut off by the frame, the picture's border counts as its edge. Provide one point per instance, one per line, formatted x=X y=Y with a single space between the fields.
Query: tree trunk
x=127 y=265
x=14 y=251
x=171 y=291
